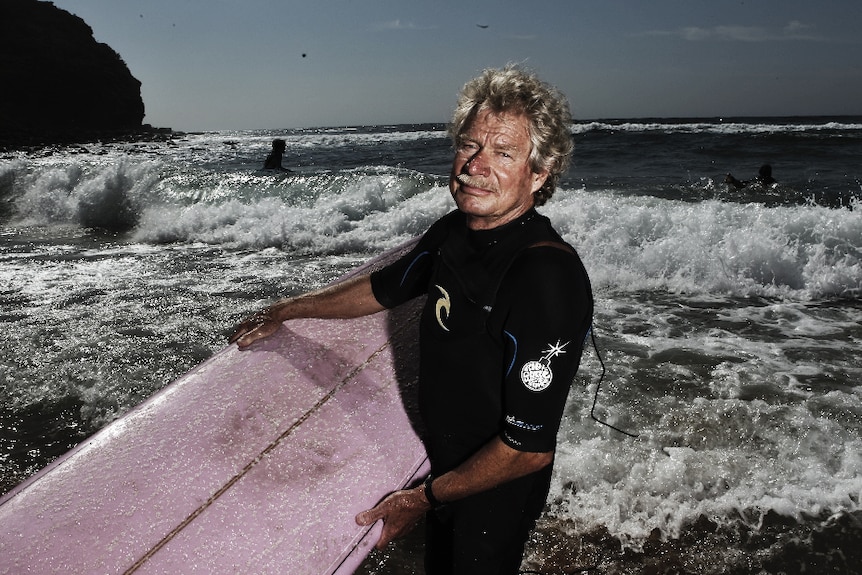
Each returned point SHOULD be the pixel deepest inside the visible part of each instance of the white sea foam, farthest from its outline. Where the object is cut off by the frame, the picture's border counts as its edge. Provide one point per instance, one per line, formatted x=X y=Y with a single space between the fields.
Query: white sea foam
x=636 y=243
x=748 y=458
x=713 y=127
x=324 y=214
x=627 y=242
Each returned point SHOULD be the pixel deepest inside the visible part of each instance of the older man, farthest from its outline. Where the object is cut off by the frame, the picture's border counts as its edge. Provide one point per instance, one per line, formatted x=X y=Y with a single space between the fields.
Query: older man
x=508 y=308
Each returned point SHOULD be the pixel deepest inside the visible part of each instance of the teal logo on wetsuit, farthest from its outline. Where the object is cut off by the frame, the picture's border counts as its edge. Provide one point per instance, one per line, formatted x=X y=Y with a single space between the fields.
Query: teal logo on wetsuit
x=442 y=307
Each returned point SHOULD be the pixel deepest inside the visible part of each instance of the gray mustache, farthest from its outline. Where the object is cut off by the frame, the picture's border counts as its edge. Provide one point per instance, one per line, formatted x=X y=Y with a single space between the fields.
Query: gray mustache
x=476 y=182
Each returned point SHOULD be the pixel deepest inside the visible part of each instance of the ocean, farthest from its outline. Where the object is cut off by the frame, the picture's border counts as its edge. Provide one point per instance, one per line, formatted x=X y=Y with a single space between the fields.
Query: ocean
x=728 y=321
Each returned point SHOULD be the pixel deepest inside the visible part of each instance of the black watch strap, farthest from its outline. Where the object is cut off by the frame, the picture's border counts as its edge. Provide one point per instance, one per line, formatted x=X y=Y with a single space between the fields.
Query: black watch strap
x=429 y=493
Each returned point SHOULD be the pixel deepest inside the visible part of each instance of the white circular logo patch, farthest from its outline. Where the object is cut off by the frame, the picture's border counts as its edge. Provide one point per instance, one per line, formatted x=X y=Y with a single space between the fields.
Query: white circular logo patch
x=536 y=375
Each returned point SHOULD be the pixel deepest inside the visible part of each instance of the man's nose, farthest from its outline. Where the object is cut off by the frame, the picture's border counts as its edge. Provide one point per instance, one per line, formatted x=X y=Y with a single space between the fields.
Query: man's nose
x=477 y=165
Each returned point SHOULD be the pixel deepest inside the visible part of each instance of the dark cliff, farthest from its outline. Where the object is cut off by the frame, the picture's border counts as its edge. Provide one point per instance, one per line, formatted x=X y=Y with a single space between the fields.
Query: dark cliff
x=58 y=83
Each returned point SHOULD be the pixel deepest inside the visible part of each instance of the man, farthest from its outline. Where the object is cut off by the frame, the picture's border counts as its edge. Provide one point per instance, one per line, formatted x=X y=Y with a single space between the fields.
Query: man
x=274 y=159
x=763 y=178
x=508 y=307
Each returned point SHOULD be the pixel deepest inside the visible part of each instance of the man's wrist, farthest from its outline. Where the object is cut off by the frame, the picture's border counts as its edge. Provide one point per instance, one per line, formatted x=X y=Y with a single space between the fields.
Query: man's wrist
x=276 y=311
x=428 y=490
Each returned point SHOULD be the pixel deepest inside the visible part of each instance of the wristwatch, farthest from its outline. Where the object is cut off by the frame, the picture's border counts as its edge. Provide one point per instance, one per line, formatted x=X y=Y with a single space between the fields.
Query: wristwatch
x=429 y=493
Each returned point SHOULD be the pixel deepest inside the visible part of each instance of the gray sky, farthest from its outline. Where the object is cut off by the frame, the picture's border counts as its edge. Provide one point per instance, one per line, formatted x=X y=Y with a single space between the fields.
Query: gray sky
x=250 y=64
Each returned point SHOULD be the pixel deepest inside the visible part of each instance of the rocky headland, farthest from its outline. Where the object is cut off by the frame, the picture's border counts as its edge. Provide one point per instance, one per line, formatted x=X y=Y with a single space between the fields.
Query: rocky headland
x=60 y=85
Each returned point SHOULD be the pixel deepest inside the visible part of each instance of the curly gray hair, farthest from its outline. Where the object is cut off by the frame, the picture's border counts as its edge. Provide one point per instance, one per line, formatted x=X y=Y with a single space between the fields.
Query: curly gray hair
x=512 y=89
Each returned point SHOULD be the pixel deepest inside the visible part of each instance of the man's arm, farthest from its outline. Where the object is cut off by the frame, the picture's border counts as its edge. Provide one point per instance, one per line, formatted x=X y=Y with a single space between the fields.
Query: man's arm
x=494 y=464
x=728 y=179
x=347 y=299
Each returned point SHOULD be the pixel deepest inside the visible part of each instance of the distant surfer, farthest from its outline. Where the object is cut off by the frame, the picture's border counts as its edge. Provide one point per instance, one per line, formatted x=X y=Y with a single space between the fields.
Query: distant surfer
x=763 y=178
x=508 y=306
x=273 y=160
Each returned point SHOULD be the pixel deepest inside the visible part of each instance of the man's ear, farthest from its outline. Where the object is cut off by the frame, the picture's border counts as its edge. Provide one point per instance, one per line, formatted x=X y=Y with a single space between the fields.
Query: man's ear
x=539 y=180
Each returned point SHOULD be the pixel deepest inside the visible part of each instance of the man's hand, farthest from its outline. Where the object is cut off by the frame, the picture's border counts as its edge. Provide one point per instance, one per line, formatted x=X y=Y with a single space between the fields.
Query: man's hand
x=258 y=326
x=400 y=511
x=493 y=464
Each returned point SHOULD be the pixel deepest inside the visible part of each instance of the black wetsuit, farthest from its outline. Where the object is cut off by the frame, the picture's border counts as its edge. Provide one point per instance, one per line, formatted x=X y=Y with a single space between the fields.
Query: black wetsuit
x=501 y=337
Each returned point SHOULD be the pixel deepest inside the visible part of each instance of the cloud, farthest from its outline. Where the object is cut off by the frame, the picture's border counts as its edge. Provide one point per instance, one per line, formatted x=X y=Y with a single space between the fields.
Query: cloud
x=743 y=33
x=797 y=29
x=794 y=30
x=397 y=24
x=692 y=33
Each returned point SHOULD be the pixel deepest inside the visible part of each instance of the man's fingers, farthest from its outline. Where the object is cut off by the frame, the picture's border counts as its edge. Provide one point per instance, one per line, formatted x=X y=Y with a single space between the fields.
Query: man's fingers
x=240 y=331
x=252 y=330
x=369 y=516
x=388 y=535
x=372 y=516
x=399 y=513
x=244 y=341
x=240 y=335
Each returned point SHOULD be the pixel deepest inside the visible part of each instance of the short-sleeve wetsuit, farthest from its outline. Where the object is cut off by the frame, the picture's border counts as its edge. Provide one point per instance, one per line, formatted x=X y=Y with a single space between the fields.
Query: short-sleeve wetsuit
x=501 y=336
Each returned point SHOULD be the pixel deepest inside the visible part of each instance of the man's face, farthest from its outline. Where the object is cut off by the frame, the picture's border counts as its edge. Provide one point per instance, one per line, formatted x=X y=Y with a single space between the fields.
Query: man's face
x=491 y=179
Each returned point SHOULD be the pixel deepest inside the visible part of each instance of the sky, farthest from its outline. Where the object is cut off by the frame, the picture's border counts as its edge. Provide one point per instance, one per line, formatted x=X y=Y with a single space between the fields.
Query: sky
x=277 y=64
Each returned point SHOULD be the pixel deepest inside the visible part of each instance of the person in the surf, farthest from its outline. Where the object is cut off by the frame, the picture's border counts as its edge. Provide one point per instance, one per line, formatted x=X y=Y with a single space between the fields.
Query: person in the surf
x=274 y=159
x=508 y=305
x=763 y=179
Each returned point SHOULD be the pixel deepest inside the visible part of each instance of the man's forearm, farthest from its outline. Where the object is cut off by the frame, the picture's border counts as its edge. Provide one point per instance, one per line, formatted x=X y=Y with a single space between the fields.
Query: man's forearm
x=352 y=298
x=496 y=463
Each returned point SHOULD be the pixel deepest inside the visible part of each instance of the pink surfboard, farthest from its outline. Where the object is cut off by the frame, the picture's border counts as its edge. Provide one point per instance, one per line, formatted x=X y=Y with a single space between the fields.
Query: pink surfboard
x=255 y=461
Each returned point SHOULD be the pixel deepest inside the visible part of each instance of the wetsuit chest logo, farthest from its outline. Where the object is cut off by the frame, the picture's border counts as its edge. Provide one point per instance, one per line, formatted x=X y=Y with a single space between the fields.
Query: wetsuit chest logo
x=444 y=303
